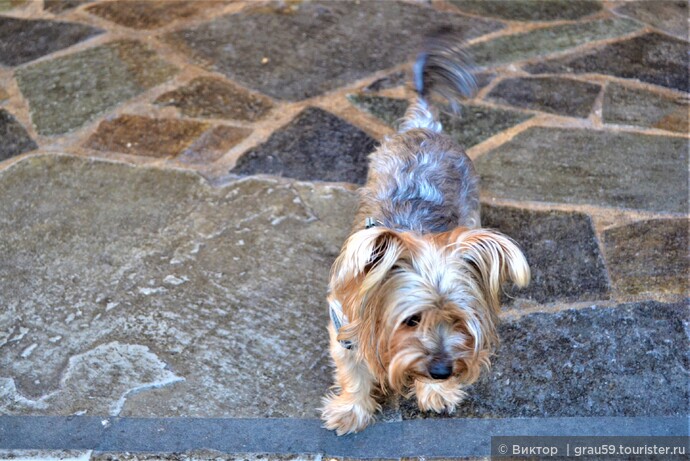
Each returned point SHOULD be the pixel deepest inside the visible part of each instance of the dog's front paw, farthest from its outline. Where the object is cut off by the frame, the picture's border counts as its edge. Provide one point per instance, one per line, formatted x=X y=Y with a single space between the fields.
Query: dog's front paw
x=344 y=415
x=438 y=397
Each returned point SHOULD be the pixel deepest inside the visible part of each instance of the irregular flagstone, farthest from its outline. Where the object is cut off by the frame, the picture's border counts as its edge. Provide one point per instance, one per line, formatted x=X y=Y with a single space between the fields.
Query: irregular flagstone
x=10 y=4
x=388 y=110
x=213 y=144
x=401 y=78
x=547 y=40
x=630 y=106
x=66 y=92
x=562 y=251
x=14 y=139
x=225 y=287
x=550 y=94
x=651 y=58
x=315 y=47
x=151 y=14
x=649 y=257
x=60 y=6
x=137 y=135
x=530 y=10
x=23 y=40
x=626 y=170
x=592 y=362
x=214 y=98
x=669 y=16
x=474 y=124
x=316 y=145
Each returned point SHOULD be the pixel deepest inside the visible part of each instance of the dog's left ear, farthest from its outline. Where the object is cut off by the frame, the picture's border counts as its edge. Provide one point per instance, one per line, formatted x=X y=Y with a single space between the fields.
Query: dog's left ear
x=369 y=253
x=494 y=258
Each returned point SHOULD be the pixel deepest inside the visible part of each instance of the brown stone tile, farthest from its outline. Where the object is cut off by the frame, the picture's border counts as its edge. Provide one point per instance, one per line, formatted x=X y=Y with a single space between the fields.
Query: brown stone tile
x=136 y=135
x=3 y=94
x=150 y=14
x=213 y=144
x=215 y=98
x=649 y=256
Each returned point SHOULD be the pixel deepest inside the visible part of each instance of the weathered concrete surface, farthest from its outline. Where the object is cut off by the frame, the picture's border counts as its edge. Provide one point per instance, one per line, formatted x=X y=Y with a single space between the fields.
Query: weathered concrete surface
x=213 y=299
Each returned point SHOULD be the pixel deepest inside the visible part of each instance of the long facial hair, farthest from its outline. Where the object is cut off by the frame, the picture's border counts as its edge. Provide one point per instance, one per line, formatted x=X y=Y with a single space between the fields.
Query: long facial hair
x=411 y=299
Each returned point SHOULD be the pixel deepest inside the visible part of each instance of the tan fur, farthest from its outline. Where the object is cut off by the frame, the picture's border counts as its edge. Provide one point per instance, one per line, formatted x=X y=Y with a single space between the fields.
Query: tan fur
x=382 y=277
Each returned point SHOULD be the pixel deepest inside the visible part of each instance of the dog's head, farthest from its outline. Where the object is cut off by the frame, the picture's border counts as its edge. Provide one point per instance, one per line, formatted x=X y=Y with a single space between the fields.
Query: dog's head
x=424 y=307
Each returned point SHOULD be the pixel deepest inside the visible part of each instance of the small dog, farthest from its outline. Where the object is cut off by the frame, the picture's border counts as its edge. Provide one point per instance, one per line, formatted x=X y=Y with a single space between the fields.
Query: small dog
x=414 y=293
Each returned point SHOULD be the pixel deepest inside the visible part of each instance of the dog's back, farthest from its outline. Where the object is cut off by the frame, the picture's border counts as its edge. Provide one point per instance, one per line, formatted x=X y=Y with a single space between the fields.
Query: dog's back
x=420 y=179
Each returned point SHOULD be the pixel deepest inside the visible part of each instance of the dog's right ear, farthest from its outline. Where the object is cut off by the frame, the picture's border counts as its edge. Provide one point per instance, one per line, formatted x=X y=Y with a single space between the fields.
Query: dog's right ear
x=367 y=255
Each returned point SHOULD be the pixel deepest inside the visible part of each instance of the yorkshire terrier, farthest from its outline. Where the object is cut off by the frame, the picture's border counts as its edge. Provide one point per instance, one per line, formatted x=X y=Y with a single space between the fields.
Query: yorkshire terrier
x=414 y=295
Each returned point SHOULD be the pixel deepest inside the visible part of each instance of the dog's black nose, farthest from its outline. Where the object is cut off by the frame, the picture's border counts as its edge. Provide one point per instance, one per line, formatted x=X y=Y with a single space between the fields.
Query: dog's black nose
x=440 y=370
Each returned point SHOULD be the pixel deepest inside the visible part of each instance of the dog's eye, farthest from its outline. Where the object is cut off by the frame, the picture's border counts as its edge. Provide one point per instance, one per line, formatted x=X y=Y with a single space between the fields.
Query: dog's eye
x=413 y=320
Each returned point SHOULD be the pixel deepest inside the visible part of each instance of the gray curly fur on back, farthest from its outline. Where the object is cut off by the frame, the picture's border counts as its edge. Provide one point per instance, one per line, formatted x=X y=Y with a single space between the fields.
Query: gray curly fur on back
x=419 y=179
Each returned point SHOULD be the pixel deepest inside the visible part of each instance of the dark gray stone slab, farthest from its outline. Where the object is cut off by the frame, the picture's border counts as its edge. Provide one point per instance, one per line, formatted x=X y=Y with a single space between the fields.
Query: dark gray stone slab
x=595 y=361
x=316 y=145
x=562 y=252
x=140 y=292
x=316 y=47
x=549 y=94
x=631 y=106
x=626 y=170
x=649 y=257
x=66 y=92
x=23 y=40
x=530 y=10
x=668 y=15
x=14 y=139
x=541 y=42
x=474 y=124
x=651 y=58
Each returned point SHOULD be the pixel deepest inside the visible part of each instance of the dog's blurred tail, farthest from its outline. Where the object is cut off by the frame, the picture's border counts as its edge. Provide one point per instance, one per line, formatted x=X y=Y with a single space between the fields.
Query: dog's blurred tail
x=443 y=67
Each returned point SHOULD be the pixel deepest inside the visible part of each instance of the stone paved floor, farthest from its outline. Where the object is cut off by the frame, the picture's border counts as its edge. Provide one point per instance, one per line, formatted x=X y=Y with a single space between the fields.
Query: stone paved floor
x=177 y=176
